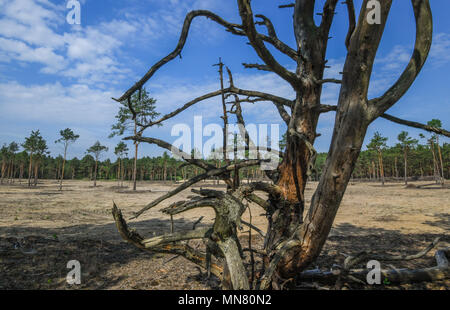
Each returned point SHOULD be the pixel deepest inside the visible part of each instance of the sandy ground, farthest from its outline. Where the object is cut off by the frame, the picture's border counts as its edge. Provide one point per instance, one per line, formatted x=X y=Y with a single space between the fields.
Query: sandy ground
x=41 y=229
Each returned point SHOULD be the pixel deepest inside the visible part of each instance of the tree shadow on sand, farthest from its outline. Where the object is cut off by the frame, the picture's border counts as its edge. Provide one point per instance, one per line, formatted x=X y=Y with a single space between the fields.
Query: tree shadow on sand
x=36 y=258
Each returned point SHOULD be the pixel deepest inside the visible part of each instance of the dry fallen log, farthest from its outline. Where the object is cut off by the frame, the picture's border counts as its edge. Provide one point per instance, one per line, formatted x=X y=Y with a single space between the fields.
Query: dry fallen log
x=439 y=272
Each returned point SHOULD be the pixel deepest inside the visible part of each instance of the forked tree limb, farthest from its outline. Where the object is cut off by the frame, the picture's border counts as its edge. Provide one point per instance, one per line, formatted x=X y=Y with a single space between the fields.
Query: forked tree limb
x=196 y=179
x=248 y=25
x=276 y=42
x=231 y=90
x=269 y=25
x=184 y=250
x=424 y=34
x=233 y=28
x=280 y=103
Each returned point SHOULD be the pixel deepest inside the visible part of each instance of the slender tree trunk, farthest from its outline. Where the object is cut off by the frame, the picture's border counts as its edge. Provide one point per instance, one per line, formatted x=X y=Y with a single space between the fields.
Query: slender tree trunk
x=441 y=161
x=13 y=171
x=435 y=165
x=374 y=171
x=380 y=160
x=95 y=173
x=9 y=172
x=122 y=169
x=165 y=171
x=29 y=170
x=3 y=170
x=21 y=168
x=118 y=173
x=396 y=168
x=136 y=145
x=36 y=172
x=62 y=170
x=406 y=166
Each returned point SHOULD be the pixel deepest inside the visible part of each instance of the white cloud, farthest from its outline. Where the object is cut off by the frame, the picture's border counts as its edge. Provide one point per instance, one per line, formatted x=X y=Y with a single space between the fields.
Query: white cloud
x=34 y=31
x=14 y=49
x=440 y=49
x=55 y=104
x=30 y=32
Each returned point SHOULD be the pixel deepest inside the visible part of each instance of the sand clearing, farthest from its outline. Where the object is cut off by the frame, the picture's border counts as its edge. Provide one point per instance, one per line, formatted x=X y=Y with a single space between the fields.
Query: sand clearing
x=54 y=227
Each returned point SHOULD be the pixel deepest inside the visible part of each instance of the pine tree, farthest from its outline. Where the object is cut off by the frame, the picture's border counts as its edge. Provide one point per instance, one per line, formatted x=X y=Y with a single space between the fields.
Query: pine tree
x=97 y=149
x=67 y=137
x=144 y=108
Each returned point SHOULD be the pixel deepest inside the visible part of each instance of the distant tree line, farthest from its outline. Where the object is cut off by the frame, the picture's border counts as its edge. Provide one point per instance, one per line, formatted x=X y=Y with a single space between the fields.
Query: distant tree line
x=408 y=159
x=41 y=165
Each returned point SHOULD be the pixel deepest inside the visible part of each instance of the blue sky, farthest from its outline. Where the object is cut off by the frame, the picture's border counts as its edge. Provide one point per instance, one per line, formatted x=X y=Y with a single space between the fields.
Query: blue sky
x=54 y=75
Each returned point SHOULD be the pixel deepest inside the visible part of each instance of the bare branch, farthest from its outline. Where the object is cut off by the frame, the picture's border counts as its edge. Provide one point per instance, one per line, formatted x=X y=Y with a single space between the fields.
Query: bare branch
x=351 y=21
x=336 y=81
x=172 y=193
x=397 y=120
x=248 y=25
x=196 y=179
x=327 y=18
x=174 y=248
x=283 y=6
x=327 y=108
x=182 y=206
x=180 y=236
x=184 y=107
x=424 y=34
x=269 y=25
x=187 y=157
x=257 y=66
x=197 y=222
x=269 y=97
x=274 y=40
x=233 y=28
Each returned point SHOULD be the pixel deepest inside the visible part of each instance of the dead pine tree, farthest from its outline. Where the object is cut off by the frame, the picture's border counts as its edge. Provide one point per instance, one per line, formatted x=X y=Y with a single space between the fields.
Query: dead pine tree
x=293 y=240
